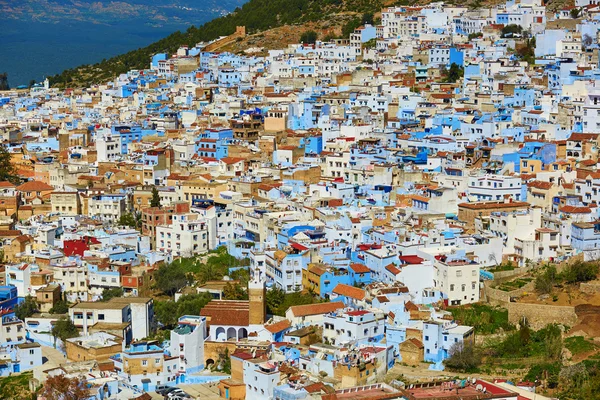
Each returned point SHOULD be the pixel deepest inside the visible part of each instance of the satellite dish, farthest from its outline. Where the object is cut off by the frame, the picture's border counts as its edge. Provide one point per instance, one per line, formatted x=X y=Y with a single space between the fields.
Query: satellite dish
x=474 y=380
x=479 y=387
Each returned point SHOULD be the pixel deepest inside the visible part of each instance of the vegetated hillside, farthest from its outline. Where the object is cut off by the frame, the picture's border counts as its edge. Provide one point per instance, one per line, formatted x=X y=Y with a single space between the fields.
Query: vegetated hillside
x=255 y=15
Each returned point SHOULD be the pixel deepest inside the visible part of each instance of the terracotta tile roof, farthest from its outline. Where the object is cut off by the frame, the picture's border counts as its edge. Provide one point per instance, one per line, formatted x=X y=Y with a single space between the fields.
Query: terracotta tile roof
x=493 y=205
x=315 y=309
x=382 y=299
x=278 y=326
x=231 y=160
x=410 y=306
x=6 y=232
x=6 y=185
x=349 y=291
x=359 y=268
x=578 y=137
x=393 y=269
x=34 y=186
x=227 y=312
x=575 y=210
x=540 y=185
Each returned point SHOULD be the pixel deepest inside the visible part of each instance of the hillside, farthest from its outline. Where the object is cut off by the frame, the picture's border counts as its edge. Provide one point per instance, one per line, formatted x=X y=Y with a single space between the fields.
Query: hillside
x=256 y=15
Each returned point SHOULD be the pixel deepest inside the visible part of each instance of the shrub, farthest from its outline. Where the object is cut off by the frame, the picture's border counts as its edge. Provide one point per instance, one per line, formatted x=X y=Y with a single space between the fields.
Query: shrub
x=463 y=357
x=309 y=37
x=580 y=271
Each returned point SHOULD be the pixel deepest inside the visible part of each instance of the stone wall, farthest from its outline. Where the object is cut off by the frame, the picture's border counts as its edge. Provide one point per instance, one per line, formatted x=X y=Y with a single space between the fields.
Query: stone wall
x=540 y=315
x=501 y=297
x=507 y=275
x=592 y=287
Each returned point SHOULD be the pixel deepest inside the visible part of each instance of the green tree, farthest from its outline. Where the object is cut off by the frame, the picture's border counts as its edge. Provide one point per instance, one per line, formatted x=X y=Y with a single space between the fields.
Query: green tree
x=108 y=294
x=60 y=307
x=234 y=292
x=574 y=13
x=368 y=18
x=64 y=329
x=128 y=220
x=370 y=44
x=224 y=363
x=580 y=271
x=463 y=357
x=242 y=275
x=455 y=73
x=544 y=282
x=475 y=35
x=169 y=278
x=8 y=171
x=26 y=308
x=309 y=37
x=511 y=30
x=278 y=301
x=155 y=201
x=191 y=304
x=166 y=312
x=349 y=27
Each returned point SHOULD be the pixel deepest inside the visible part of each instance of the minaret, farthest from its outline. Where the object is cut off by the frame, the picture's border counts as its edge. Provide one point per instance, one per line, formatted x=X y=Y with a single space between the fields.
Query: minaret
x=257 y=295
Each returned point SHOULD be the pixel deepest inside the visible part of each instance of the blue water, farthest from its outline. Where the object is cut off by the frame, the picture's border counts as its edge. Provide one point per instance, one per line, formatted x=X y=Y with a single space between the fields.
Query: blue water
x=32 y=50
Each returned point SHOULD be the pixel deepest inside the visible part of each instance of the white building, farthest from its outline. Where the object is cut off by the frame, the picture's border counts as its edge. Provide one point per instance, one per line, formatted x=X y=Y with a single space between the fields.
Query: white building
x=458 y=279
x=494 y=187
x=187 y=343
x=188 y=234
x=356 y=327
x=260 y=377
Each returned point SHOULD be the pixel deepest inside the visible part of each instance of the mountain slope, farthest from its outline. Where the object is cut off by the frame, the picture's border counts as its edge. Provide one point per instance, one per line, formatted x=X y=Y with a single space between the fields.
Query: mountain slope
x=256 y=15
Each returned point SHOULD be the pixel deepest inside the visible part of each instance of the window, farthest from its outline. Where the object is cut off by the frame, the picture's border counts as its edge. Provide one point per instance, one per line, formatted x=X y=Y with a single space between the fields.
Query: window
x=157 y=361
x=144 y=363
x=100 y=317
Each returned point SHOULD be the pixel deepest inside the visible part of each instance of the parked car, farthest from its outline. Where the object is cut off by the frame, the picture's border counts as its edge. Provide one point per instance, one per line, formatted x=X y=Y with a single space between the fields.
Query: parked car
x=174 y=393
x=160 y=389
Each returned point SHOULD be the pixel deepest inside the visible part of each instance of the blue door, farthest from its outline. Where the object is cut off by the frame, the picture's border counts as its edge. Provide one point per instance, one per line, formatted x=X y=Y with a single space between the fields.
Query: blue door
x=17 y=368
x=226 y=393
x=145 y=386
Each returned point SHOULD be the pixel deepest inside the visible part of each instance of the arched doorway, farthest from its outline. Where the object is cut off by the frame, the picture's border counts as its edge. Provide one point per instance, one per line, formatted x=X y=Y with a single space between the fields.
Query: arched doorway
x=231 y=334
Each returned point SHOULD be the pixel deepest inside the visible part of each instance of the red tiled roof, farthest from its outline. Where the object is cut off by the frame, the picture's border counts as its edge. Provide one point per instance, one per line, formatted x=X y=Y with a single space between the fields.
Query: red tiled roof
x=393 y=269
x=227 y=312
x=540 y=185
x=34 y=186
x=349 y=291
x=411 y=259
x=359 y=268
x=316 y=309
x=231 y=160
x=278 y=326
x=575 y=210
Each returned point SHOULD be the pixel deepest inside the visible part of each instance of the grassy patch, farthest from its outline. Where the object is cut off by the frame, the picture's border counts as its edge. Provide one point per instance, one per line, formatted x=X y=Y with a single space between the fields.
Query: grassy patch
x=514 y=284
x=578 y=345
x=502 y=267
x=16 y=386
x=484 y=318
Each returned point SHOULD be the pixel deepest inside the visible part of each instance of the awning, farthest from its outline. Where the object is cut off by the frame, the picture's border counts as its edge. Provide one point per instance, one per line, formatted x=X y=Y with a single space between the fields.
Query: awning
x=298 y=246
